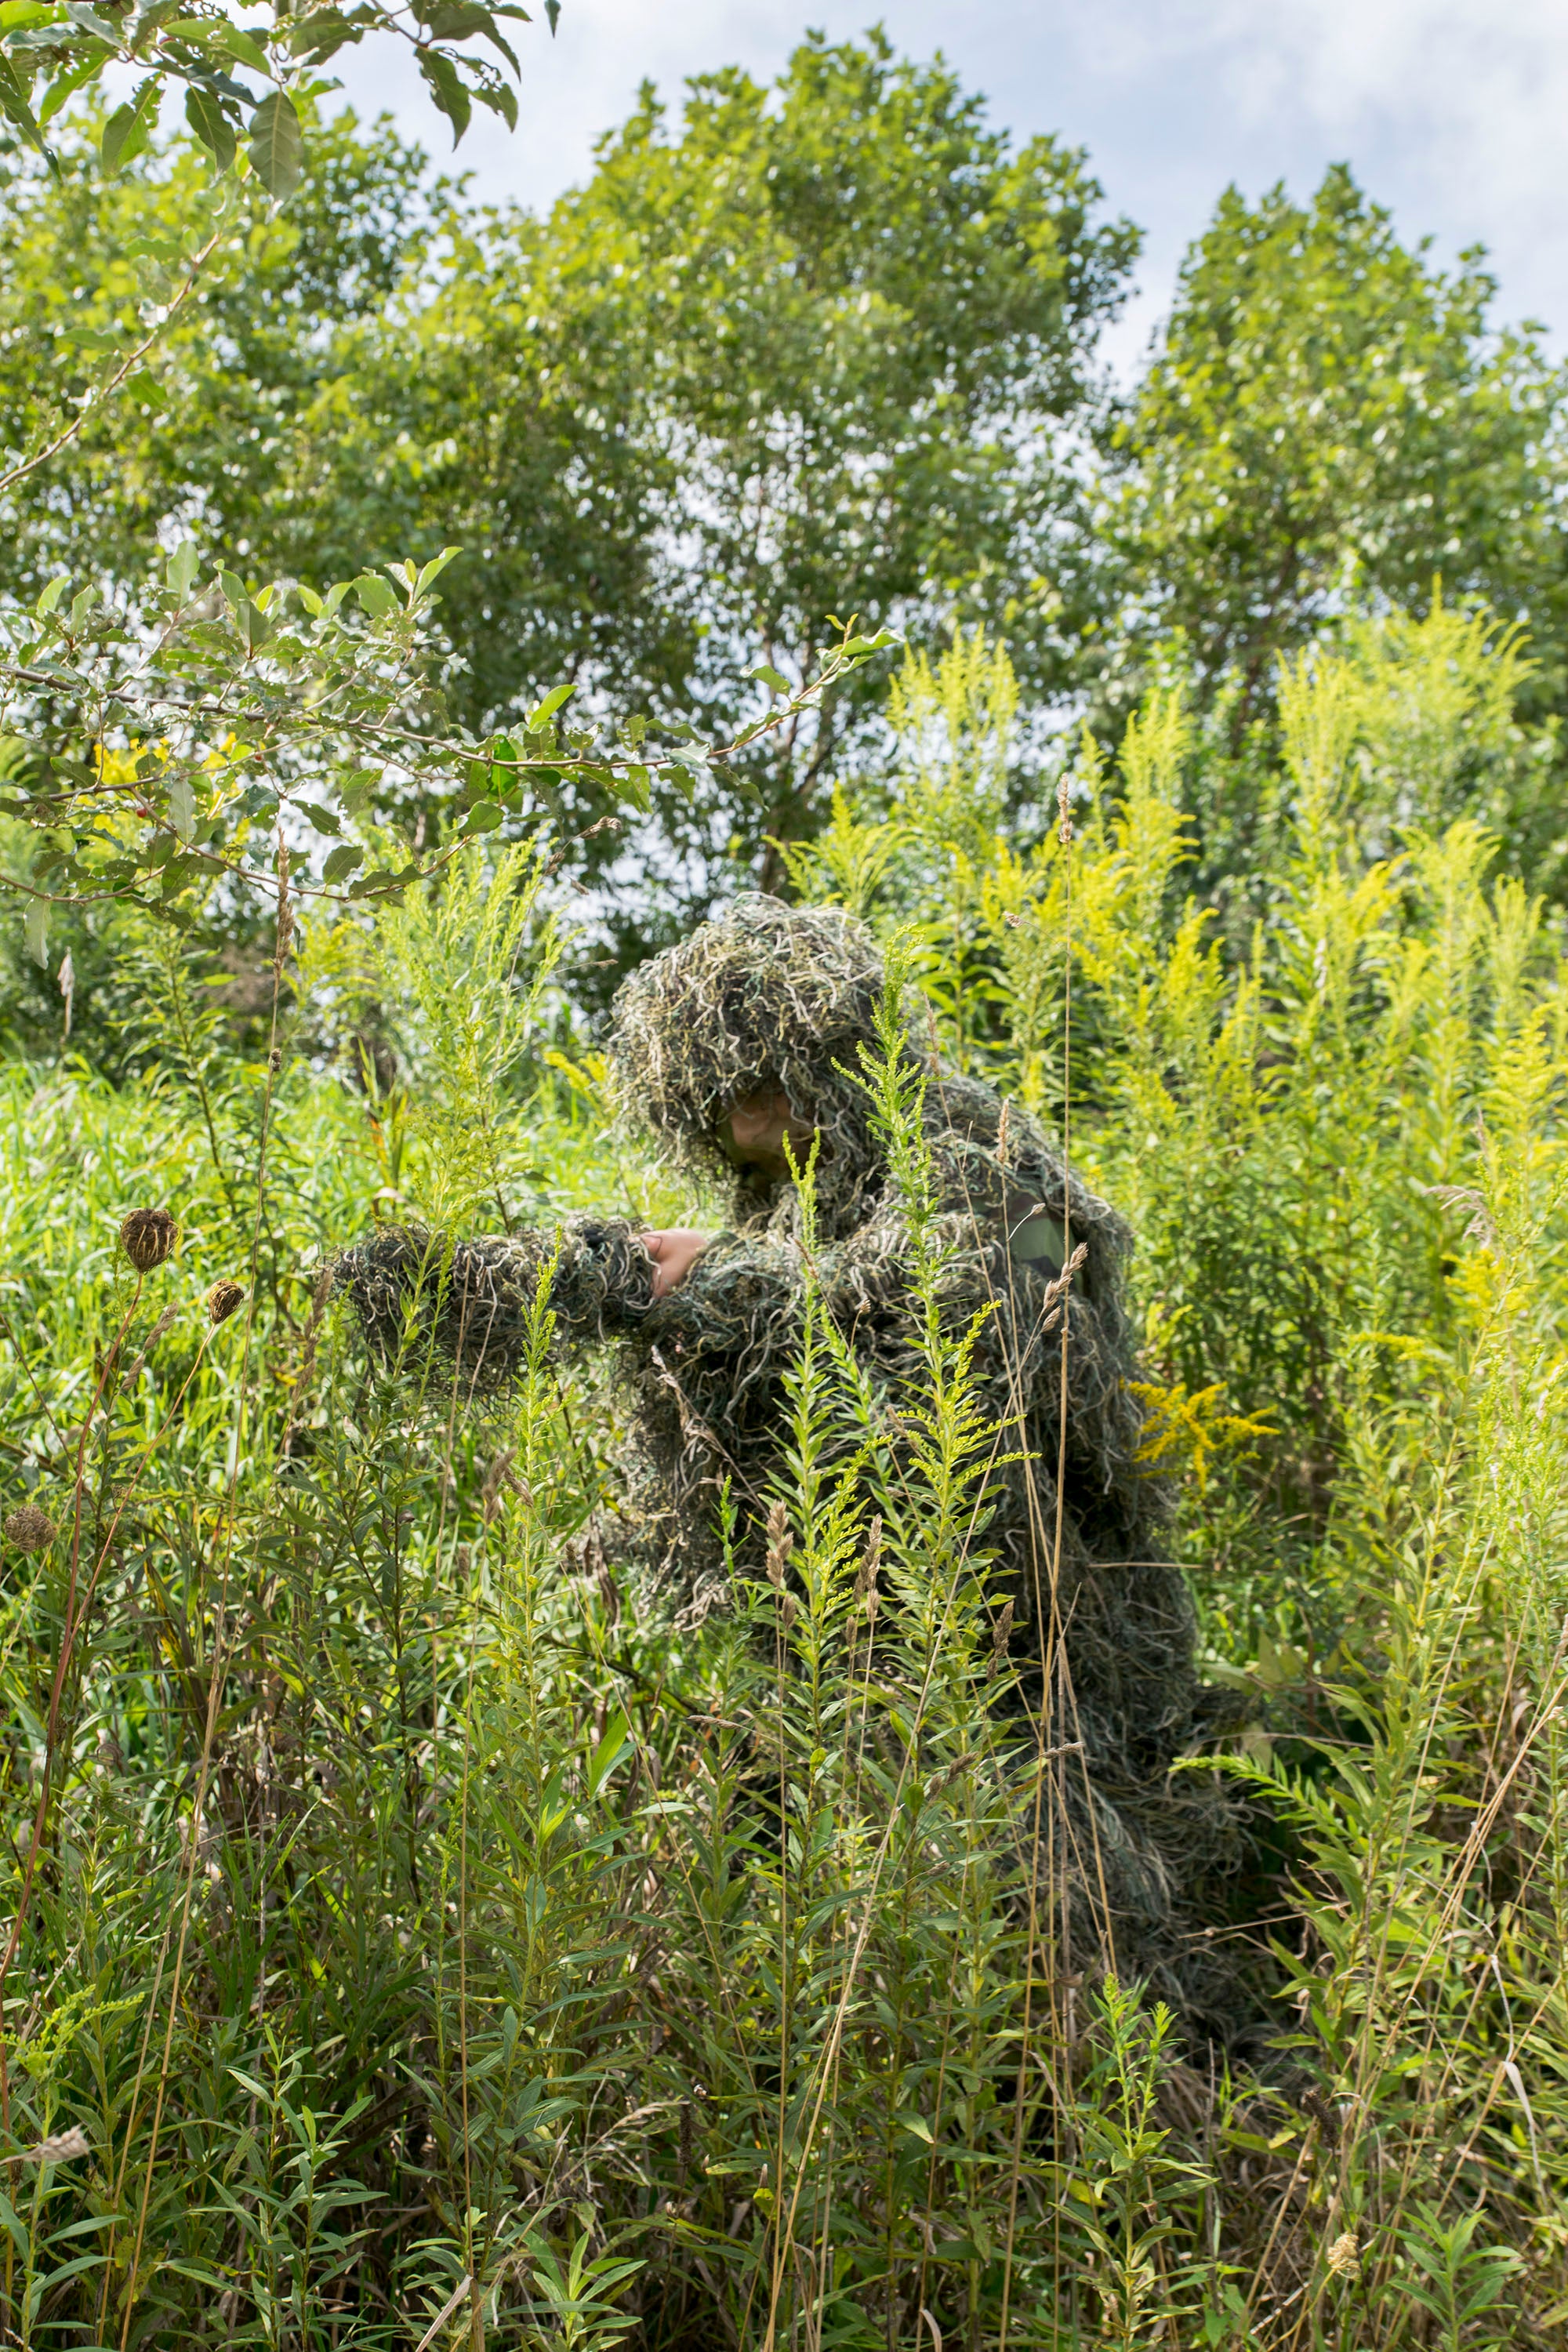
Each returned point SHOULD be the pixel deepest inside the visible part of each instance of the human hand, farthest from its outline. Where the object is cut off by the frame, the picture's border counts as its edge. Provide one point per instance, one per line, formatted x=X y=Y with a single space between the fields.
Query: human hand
x=674 y=1253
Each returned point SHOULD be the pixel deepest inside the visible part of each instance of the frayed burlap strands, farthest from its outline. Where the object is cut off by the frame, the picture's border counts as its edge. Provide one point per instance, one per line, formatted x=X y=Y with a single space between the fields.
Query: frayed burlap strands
x=1099 y=1645
x=63 y=2147
x=765 y=995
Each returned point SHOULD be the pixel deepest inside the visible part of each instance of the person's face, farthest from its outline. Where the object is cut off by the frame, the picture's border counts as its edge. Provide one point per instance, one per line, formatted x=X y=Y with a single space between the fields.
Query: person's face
x=753 y=1132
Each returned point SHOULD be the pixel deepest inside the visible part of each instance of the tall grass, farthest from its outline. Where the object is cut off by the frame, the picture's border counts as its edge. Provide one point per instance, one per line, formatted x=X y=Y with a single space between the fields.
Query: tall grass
x=435 y=1942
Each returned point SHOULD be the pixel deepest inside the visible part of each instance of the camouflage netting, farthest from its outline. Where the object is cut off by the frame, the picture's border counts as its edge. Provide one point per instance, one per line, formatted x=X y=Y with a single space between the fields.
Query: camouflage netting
x=767 y=995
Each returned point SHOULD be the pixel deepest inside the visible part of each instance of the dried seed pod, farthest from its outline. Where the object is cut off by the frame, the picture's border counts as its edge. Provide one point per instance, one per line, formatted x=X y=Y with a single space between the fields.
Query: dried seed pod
x=999 y=1639
x=29 y=1529
x=148 y=1236
x=60 y=2149
x=222 y=1300
x=789 y=1610
x=781 y=1543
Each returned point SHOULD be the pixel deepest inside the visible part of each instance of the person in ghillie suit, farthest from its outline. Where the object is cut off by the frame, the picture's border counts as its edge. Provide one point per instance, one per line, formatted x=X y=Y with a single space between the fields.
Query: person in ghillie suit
x=737 y=1048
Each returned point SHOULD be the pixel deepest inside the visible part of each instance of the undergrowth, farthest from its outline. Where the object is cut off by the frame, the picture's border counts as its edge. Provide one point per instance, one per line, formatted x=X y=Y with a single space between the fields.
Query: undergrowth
x=416 y=1937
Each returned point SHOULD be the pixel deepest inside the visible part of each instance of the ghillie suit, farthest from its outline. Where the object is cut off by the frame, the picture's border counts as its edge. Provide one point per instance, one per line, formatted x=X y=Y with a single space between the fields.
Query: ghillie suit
x=768 y=997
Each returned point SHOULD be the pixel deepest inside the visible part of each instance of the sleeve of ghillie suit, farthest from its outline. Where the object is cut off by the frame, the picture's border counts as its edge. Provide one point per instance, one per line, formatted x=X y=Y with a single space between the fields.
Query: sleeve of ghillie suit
x=472 y=1304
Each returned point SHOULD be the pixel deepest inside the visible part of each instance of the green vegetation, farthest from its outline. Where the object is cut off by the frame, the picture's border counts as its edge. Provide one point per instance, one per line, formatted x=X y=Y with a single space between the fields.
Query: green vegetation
x=415 y=1934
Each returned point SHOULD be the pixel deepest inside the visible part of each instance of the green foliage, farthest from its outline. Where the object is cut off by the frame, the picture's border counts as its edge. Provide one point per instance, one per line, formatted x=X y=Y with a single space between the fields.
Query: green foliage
x=425 y=1934
x=821 y=349
x=176 y=770
x=60 y=51
x=1326 y=410
x=197 y=440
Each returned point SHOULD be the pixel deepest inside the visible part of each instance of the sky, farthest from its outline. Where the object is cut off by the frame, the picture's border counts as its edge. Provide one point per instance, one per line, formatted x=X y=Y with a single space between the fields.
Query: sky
x=1452 y=112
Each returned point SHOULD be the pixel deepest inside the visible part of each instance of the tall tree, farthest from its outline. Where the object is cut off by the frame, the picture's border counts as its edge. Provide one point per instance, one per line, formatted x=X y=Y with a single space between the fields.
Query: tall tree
x=1327 y=407
x=202 y=437
x=819 y=349
x=822 y=348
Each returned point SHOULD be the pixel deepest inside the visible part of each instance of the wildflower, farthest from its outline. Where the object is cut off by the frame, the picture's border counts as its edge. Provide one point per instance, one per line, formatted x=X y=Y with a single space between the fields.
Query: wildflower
x=148 y=1236
x=1344 y=2256
x=29 y=1529
x=222 y=1299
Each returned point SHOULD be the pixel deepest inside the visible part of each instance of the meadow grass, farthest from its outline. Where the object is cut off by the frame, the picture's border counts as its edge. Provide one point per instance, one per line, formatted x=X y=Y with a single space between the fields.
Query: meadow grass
x=431 y=1939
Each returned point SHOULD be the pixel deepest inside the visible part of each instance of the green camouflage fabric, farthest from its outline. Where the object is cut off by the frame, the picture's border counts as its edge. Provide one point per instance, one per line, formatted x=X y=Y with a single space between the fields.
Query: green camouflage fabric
x=767 y=995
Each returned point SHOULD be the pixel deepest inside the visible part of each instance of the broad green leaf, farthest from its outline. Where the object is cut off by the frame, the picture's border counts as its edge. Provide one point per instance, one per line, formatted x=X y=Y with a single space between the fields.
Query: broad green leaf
x=770 y=677
x=75 y=77
x=182 y=804
x=16 y=15
x=453 y=20
x=52 y=593
x=277 y=145
x=183 y=565
x=483 y=817
x=212 y=126
x=14 y=102
x=500 y=98
x=130 y=127
x=321 y=34
x=377 y=597
x=356 y=791
x=434 y=569
x=341 y=861
x=324 y=820
x=37 y=926
x=447 y=88
x=254 y=626
x=212 y=32
x=551 y=704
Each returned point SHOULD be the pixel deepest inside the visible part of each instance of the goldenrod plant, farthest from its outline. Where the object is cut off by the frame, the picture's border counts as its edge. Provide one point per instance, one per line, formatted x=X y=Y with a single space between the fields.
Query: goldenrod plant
x=419 y=1934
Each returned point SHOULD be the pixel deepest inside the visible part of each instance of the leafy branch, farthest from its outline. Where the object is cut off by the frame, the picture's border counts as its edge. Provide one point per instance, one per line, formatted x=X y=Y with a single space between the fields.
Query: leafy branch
x=67 y=45
x=181 y=746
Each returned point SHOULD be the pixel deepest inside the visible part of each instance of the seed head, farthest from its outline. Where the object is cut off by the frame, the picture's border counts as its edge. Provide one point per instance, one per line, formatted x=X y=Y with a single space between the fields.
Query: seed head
x=1344 y=2256
x=222 y=1299
x=148 y=1236
x=871 y=1568
x=781 y=1543
x=999 y=1638
x=29 y=1529
x=59 y=2150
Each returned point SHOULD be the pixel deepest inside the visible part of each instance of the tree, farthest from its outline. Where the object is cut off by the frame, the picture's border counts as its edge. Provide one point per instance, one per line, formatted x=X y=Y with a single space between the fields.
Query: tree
x=822 y=348
x=827 y=348
x=1329 y=412
x=200 y=438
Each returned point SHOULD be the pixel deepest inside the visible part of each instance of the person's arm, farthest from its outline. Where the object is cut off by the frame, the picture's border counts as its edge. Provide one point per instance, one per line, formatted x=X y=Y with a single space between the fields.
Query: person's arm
x=471 y=1302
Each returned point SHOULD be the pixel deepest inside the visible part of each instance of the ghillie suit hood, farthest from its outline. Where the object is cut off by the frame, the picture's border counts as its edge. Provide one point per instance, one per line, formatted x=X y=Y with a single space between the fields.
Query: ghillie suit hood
x=764 y=995
x=769 y=996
